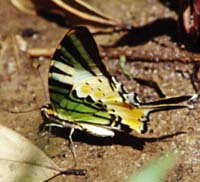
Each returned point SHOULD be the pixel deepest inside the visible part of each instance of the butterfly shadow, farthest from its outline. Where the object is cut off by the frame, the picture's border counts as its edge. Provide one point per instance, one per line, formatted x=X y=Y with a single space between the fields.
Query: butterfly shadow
x=163 y=26
x=140 y=35
x=120 y=138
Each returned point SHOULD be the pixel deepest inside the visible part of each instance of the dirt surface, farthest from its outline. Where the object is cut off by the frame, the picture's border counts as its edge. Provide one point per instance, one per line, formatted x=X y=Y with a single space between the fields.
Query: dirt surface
x=105 y=159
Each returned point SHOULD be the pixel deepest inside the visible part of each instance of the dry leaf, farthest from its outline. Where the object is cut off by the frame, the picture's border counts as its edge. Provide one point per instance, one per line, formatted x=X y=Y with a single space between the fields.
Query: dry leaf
x=77 y=9
x=26 y=6
x=83 y=10
x=20 y=160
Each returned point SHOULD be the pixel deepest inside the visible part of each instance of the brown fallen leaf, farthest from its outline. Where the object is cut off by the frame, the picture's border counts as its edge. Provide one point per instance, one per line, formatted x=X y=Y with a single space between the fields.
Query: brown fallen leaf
x=26 y=6
x=77 y=9
x=20 y=160
x=84 y=11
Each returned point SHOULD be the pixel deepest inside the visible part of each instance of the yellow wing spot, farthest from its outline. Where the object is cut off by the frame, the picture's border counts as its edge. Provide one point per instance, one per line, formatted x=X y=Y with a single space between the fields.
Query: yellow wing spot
x=114 y=99
x=86 y=89
x=50 y=111
x=132 y=118
x=98 y=94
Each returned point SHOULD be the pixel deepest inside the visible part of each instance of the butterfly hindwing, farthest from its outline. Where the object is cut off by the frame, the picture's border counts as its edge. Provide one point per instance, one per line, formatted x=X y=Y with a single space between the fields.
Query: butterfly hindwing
x=79 y=84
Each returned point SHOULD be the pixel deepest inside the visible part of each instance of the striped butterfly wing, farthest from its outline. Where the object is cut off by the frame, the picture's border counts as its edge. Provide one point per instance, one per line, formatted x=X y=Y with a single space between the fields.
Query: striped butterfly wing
x=81 y=89
x=83 y=94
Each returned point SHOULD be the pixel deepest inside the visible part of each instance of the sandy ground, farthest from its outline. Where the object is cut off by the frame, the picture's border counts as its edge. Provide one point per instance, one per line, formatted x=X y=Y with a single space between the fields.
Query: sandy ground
x=105 y=159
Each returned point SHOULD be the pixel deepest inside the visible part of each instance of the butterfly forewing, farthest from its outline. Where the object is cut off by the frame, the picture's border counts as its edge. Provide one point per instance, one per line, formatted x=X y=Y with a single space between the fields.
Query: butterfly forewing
x=80 y=87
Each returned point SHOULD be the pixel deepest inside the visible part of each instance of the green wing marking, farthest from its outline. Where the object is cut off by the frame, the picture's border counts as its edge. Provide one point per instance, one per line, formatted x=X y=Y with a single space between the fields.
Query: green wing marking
x=76 y=76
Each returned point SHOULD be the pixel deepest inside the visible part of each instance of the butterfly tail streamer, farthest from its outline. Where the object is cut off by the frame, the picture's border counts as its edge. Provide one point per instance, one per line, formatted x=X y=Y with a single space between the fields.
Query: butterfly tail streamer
x=170 y=103
x=139 y=123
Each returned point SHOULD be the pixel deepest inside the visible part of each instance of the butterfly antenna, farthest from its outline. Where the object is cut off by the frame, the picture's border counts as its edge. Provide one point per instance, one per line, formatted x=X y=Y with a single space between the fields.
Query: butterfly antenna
x=42 y=81
x=36 y=108
x=19 y=112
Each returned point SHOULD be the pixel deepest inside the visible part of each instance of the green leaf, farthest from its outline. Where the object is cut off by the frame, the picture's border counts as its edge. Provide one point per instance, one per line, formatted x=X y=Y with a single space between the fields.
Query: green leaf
x=156 y=170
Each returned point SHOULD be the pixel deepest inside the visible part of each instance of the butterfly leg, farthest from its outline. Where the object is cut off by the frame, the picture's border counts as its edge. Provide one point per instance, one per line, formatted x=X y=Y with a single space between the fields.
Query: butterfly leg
x=50 y=125
x=72 y=146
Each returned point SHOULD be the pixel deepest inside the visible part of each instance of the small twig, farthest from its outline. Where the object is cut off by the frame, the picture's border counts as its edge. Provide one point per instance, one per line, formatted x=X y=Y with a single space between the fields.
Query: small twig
x=76 y=172
x=37 y=52
x=195 y=77
x=3 y=46
x=115 y=53
x=16 y=52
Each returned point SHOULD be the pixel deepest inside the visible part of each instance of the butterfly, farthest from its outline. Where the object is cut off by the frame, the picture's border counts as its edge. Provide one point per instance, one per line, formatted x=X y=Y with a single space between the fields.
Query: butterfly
x=84 y=96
